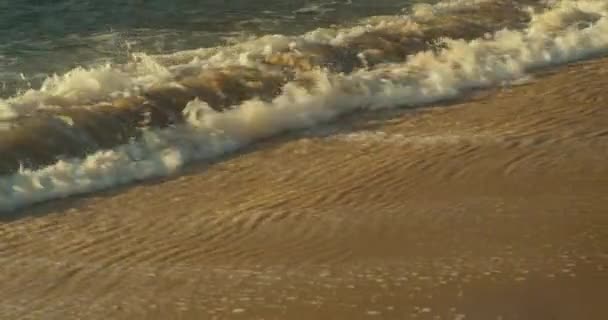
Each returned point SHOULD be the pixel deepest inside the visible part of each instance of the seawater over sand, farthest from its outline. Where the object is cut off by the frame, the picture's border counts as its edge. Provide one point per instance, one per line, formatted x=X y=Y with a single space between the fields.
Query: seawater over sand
x=493 y=207
x=148 y=117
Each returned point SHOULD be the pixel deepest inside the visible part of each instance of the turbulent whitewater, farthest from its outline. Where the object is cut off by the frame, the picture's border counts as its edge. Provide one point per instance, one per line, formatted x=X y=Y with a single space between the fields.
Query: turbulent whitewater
x=95 y=128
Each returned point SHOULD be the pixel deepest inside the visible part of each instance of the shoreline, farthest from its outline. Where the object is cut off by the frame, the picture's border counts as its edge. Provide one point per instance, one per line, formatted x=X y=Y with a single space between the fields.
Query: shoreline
x=490 y=208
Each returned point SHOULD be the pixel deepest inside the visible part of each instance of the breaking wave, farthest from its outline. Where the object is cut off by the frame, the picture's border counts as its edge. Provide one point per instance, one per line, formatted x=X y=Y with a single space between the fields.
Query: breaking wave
x=92 y=129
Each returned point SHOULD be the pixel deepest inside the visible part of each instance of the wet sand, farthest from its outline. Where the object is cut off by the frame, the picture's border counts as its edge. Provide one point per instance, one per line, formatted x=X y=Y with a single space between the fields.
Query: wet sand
x=493 y=207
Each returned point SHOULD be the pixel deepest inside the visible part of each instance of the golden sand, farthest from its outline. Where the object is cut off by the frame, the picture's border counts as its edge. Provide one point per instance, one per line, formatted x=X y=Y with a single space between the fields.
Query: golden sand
x=493 y=207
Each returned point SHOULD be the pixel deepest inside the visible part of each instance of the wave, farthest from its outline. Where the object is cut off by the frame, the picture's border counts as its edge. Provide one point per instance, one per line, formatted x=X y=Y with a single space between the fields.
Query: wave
x=93 y=129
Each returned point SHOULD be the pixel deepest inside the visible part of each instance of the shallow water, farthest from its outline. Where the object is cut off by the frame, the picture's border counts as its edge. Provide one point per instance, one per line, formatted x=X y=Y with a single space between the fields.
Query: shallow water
x=491 y=206
x=99 y=126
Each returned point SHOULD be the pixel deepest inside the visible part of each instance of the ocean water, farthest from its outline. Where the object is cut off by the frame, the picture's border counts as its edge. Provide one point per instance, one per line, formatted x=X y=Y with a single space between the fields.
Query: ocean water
x=96 y=95
x=39 y=38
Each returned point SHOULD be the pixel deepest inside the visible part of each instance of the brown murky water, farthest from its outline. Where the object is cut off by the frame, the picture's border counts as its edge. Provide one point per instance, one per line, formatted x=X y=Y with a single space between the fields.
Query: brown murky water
x=491 y=207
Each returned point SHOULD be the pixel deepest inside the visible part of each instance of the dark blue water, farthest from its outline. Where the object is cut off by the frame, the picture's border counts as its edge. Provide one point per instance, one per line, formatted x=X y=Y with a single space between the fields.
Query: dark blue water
x=41 y=37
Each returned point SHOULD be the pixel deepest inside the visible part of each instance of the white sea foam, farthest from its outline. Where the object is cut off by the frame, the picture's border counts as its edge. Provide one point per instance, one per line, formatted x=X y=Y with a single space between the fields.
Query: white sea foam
x=425 y=10
x=425 y=77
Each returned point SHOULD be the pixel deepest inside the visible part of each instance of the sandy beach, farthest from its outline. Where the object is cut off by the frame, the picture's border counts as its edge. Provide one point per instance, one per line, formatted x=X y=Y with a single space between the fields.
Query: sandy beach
x=494 y=206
